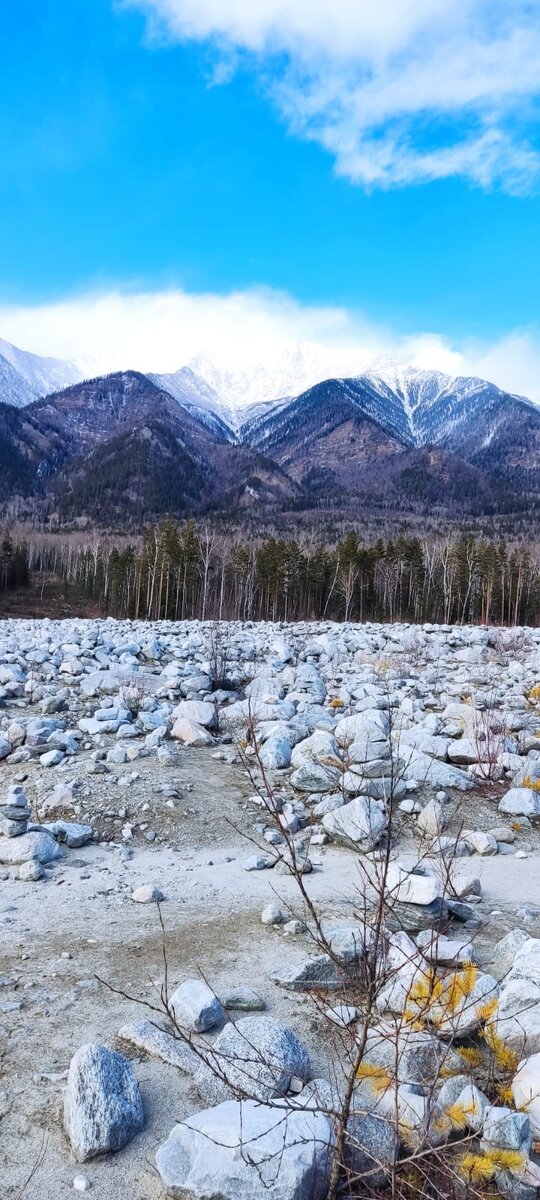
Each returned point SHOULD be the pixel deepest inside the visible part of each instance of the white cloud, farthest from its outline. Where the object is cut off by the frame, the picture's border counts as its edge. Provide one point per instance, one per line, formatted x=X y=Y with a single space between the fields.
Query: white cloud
x=399 y=91
x=244 y=331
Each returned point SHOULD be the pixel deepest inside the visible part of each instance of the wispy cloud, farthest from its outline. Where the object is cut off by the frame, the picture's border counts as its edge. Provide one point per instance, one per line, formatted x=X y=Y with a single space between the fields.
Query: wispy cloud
x=161 y=331
x=398 y=91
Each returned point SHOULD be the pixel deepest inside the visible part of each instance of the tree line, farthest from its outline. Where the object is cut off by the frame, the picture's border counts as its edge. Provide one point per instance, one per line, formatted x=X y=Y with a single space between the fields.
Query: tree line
x=182 y=571
x=13 y=565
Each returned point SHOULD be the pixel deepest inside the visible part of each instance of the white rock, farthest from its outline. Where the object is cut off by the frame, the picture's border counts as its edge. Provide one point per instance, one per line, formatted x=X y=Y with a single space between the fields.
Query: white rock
x=241 y=1150
x=197 y=712
x=190 y=733
x=147 y=893
x=271 y=915
x=522 y=802
x=411 y=887
x=257 y=1056
x=360 y=823
x=526 y=1091
x=38 y=846
x=195 y=1007
x=432 y=820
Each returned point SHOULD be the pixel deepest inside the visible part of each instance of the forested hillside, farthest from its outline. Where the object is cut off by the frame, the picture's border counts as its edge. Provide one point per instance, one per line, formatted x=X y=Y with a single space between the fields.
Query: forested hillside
x=176 y=571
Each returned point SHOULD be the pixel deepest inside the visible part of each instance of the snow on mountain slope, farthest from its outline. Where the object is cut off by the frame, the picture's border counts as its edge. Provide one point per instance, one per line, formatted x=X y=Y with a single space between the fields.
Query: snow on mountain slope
x=200 y=399
x=25 y=377
x=431 y=406
x=299 y=366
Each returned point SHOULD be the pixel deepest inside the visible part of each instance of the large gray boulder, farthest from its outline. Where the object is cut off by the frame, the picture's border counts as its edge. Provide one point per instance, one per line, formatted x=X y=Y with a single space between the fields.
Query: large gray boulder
x=364 y=727
x=257 y=1057
x=36 y=847
x=102 y=1106
x=360 y=823
x=315 y=777
x=242 y=1150
x=275 y=755
x=426 y=770
x=200 y=712
x=520 y=802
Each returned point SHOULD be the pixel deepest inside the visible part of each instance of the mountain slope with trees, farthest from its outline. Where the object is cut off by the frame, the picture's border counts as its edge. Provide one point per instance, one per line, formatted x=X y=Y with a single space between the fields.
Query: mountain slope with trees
x=124 y=449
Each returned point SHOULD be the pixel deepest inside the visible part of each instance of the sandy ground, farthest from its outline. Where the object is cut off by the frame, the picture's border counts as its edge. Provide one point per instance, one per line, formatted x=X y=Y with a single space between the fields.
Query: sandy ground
x=58 y=935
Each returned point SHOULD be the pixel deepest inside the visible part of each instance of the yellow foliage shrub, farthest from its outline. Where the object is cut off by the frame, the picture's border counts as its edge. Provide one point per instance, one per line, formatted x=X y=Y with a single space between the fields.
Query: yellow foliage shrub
x=481 y=1168
x=505 y=1057
x=379 y=1078
x=471 y=1056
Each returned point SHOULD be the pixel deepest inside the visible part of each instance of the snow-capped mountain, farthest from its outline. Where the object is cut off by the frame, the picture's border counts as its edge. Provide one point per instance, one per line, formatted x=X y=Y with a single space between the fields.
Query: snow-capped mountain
x=419 y=407
x=298 y=367
x=199 y=398
x=427 y=406
x=25 y=377
x=394 y=436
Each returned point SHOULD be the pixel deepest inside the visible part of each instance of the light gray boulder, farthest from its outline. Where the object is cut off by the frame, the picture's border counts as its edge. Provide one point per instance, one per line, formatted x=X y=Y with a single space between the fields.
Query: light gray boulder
x=147 y=893
x=103 y=1107
x=518 y=1015
x=447 y=951
x=432 y=820
x=411 y=1056
x=275 y=755
x=40 y=847
x=199 y=712
x=315 y=777
x=507 y=1129
x=411 y=886
x=272 y=915
x=241 y=1150
x=520 y=802
x=369 y=726
x=190 y=733
x=371 y=1146
x=151 y=1038
x=426 y=770
x=30 y=872
x=71 y=833
x=526 y=1091
x=311 y=975
x=482 y=843
x=360 y=823
x=505 y=951
x=256 y=1057
x=5 y=748
x=195 y=1007
x=463 y=751
x=242 y=999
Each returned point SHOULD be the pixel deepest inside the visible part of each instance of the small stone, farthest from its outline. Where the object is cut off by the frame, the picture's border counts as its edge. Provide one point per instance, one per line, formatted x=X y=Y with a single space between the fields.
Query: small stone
x=147 y=893
x=271 y=915
x=342 y=1015
x=195 y=1007
x=30 y=872
x=243 y=999
x=257 y=862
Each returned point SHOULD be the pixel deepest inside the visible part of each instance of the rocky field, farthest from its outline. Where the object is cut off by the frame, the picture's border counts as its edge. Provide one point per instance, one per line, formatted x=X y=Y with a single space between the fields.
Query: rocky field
x=215 y=842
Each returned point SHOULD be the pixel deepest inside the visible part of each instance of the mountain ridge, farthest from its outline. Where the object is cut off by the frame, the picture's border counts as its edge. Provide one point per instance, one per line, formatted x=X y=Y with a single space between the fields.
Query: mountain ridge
x=135 y=445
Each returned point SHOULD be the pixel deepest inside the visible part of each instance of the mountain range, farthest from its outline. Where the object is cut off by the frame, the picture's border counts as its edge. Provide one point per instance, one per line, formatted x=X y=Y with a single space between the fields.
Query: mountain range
x=128 y=447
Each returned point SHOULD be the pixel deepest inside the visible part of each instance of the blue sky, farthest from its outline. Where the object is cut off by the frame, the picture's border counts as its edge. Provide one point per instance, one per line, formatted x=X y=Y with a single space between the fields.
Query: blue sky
x=153 y=146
